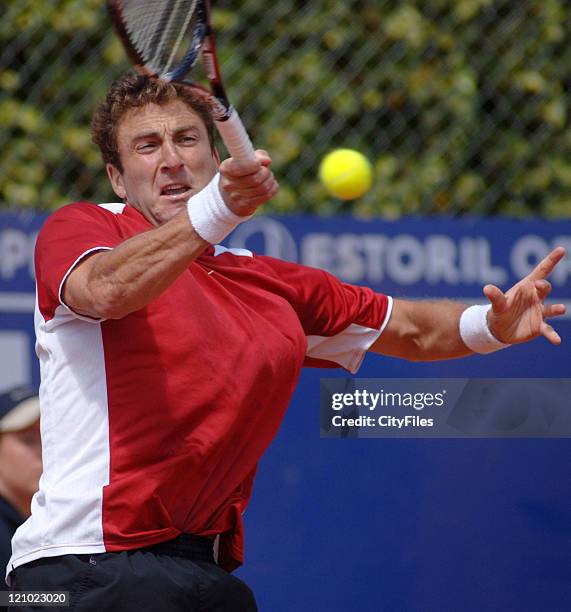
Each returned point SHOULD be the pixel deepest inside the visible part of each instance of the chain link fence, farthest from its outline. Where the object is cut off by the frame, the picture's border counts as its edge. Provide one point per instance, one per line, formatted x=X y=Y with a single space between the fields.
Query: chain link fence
x=461 y=105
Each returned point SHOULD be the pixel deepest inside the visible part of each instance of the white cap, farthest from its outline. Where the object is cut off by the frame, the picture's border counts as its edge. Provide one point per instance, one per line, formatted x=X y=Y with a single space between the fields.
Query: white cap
x=19 y=409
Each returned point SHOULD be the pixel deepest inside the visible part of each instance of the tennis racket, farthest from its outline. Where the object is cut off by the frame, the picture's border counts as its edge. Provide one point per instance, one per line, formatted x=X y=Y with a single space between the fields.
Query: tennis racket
x=165 y=38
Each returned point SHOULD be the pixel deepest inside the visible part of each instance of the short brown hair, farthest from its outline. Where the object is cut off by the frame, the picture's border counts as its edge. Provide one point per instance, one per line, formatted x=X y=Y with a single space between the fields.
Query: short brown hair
x=135 y=91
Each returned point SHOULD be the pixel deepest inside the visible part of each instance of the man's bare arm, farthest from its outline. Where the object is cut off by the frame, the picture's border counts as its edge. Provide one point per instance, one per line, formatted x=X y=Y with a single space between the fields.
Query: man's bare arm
x=423 y=331
x=111 y=284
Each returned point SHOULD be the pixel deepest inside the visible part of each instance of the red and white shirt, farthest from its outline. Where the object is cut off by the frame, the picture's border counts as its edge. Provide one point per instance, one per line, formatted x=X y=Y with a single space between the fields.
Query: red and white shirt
x=153 y=425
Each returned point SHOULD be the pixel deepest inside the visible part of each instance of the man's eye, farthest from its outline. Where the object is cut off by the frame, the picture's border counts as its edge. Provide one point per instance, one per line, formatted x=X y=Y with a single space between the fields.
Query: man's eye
x=187 y=139
x=146 y=146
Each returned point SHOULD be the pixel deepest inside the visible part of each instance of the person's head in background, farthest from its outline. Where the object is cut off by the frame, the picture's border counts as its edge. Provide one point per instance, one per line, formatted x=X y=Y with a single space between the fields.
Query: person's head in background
x=20 y=447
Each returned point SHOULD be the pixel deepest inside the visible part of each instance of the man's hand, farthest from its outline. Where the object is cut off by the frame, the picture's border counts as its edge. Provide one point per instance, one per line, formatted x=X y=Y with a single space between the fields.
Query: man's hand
x=519 y=315
x=247 y=185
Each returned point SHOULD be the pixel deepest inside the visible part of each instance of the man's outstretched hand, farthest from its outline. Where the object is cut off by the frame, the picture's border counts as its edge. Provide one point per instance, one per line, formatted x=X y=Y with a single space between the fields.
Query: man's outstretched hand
x=520 y=314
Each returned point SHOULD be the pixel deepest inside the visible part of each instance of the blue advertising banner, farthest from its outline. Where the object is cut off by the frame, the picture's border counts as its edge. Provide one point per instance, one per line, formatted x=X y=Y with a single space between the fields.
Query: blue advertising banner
x=18 y=363
x=18 y=233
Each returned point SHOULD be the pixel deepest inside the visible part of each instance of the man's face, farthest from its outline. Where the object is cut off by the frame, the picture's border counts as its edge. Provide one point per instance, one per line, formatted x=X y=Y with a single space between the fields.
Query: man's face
x=166 y=157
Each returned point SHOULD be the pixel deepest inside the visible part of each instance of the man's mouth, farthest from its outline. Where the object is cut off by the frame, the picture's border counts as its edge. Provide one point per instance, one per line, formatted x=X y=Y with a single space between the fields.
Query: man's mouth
x=175 y=189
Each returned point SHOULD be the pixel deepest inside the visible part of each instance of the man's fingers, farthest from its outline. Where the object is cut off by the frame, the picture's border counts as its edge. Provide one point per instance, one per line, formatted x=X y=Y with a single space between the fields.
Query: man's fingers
x=554 y=310
x=267 y=189
x=240 y=169
x=496 y=297
x=249 y=181
x=250 y=186
x=546 y=265
x=257 y=189
x=543 y=288
x=249 y=204
x=550 y=333
x=263 y=157
x=263 y=198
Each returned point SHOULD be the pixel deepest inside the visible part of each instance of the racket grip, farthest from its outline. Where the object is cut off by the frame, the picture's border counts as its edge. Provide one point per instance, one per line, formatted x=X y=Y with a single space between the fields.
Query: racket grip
x=236 y=138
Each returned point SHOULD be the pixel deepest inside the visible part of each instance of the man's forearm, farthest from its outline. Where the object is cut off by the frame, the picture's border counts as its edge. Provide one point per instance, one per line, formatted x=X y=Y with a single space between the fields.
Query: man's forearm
x=423 y=331
x=111 y=284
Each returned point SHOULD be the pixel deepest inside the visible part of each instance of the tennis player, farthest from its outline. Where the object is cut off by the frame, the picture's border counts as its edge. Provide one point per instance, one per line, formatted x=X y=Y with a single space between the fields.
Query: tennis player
x=168 y=361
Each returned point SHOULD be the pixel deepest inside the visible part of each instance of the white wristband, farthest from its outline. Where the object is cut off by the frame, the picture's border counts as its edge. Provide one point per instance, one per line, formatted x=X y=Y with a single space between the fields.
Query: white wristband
x=475 y=332
x=209 y=215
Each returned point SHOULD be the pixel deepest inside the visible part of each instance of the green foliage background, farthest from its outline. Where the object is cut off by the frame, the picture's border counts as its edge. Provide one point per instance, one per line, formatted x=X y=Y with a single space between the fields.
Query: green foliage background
x=461 y=105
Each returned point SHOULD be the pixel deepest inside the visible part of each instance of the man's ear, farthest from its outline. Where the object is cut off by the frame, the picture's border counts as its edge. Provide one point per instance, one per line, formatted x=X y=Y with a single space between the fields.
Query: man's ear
x=116 y=180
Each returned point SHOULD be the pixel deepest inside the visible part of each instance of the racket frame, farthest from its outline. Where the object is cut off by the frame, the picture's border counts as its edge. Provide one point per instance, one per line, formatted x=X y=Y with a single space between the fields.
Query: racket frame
x=202 y=43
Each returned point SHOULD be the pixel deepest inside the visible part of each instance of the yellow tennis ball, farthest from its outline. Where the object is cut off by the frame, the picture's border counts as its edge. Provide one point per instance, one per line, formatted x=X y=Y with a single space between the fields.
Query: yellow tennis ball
x=346 y=173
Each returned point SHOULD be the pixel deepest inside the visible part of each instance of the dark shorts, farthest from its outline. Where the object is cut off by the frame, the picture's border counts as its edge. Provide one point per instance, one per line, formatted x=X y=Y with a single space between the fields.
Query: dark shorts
x=135 y=581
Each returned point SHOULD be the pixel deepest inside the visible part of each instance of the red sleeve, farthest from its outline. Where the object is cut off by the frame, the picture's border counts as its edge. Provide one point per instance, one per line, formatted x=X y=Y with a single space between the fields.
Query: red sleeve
x=324 y=305
x=66 y=237
x=341 y=321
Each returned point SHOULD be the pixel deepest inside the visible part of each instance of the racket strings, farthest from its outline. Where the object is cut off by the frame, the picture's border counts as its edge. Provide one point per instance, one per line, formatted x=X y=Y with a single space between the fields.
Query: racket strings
x=159 y=31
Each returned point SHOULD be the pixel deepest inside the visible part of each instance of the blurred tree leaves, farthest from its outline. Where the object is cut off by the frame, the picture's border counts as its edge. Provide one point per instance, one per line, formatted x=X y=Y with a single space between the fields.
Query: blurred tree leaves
x=461 y=105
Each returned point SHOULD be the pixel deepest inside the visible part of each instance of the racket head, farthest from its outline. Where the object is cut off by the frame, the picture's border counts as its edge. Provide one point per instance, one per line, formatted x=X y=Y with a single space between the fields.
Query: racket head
x=162 y=38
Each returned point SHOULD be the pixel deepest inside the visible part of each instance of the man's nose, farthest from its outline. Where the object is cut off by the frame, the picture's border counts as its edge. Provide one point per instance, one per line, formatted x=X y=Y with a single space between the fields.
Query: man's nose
x=171 y=158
